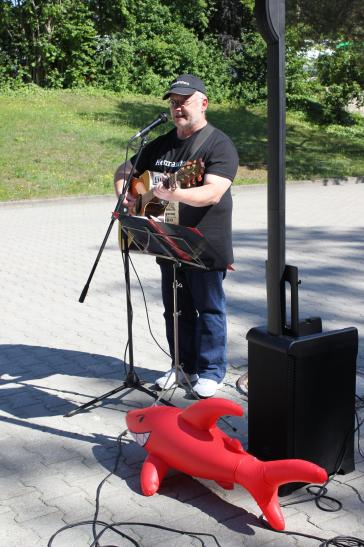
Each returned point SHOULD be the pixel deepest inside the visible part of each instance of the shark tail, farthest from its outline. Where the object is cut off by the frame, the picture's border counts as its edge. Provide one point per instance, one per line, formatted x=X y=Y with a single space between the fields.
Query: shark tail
x=284 y=471
x=262 y=480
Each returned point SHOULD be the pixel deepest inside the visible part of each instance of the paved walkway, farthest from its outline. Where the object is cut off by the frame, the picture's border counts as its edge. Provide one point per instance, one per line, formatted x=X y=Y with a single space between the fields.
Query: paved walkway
x=56 y=354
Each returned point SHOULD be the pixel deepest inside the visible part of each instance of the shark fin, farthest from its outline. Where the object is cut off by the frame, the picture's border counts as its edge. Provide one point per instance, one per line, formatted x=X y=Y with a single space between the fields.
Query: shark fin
x=204 y=414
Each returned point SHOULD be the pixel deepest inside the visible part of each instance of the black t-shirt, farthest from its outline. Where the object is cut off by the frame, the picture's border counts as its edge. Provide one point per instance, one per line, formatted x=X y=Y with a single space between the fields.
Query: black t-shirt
x=168 y=153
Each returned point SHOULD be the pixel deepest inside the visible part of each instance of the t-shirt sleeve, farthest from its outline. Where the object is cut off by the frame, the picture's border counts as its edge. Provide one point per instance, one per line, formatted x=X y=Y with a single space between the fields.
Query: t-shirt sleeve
x=223 y=159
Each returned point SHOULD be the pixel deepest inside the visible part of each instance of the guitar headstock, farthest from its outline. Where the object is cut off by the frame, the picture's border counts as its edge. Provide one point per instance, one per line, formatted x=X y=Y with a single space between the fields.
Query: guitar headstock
x=188 y=175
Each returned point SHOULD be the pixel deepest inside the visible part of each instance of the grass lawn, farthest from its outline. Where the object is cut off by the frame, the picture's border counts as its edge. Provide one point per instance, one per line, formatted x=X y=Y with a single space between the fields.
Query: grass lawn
x=58 y=143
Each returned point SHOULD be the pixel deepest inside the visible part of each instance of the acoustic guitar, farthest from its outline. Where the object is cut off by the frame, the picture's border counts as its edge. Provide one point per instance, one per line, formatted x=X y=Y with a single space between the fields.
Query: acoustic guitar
x=146 y=203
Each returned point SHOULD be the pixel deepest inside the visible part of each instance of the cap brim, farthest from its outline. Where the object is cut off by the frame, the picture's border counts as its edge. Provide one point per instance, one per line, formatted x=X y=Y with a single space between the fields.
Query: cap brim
x=179 y=91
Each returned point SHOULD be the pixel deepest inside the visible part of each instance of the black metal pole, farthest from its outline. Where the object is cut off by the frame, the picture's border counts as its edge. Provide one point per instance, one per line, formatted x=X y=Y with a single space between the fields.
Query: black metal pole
x=270 y=16
x=131 y=376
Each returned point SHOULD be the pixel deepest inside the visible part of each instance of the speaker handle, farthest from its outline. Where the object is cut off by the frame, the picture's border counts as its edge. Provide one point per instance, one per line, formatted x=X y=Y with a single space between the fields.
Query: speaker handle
x=290 y=275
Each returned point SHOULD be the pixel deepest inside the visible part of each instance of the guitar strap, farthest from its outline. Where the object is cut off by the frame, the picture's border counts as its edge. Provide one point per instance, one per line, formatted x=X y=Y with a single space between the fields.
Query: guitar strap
x=171 y=213
x=201 y=139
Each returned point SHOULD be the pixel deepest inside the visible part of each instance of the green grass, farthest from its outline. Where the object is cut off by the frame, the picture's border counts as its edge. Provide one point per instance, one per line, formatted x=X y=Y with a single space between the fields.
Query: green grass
x=58 y=143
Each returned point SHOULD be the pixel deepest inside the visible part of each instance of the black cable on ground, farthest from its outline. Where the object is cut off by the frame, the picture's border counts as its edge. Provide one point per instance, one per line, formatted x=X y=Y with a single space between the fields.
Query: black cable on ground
x=321 y=489
x=344 y=541
x=98 y=490
x=338 y=541
x=196 y=535
x=358 y=429
x=114 y=527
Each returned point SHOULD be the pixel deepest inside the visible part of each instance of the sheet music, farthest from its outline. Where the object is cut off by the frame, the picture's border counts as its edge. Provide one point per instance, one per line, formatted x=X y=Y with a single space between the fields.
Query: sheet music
x=171 y=213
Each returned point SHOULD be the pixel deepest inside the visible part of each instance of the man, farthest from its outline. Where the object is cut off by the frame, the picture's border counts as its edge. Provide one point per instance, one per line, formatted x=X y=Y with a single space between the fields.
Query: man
x=201 y=299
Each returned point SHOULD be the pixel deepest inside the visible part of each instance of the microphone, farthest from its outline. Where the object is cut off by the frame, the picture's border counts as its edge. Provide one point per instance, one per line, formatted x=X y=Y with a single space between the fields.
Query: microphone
x=162 y=118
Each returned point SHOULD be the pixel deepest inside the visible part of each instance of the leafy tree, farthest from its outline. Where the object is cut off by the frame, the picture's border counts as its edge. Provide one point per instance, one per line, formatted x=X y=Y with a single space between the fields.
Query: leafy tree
x=228 y=17
x=109 y=16
x=49 y=42
x=154 y=47
x=192 y=14
x=336 y=77
x=342 y=78
x=326 y=20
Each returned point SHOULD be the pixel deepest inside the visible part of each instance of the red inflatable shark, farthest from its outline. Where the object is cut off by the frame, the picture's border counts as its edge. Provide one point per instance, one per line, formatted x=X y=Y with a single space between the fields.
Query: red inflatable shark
x=189 y=440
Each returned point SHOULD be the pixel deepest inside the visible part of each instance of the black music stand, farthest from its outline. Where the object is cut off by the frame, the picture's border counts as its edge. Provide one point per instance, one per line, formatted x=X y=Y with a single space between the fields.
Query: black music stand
x=179 y=244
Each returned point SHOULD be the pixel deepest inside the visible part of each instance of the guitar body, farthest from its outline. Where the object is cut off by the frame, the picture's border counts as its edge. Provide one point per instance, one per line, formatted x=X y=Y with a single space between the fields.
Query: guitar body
x=146 y=204
x=141 y=188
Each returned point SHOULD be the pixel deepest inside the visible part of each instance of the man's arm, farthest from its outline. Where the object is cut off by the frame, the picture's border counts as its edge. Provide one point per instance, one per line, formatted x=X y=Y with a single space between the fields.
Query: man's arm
x=210 y=193
x=121 y=175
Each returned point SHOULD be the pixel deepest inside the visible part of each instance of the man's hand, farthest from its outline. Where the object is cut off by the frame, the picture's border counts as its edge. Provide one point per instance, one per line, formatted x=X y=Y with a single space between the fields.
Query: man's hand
x=210 y=193
x=166 y=194
x=129 y=202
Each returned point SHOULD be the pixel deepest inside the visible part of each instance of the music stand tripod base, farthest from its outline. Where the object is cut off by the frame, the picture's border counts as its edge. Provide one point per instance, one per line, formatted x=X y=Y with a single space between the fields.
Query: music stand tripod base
x=131 y=381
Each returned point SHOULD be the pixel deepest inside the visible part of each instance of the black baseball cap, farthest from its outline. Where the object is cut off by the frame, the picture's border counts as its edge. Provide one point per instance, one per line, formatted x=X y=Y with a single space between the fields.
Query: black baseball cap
x=186 y=84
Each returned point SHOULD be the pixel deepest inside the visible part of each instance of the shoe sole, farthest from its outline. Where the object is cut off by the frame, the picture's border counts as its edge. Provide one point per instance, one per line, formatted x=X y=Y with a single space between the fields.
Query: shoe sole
x=182 y=383
x=208 y=396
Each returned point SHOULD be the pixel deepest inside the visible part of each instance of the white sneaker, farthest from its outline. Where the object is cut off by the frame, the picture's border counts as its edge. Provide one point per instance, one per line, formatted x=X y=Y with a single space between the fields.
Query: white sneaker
x=206 y=387
x=169 y=378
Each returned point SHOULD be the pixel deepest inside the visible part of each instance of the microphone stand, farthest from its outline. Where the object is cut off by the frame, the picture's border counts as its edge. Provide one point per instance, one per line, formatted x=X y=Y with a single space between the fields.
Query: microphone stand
x=132 y=380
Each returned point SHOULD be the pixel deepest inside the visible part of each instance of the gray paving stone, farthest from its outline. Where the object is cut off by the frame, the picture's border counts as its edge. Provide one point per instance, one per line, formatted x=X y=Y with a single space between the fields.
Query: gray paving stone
x=45 y=526
x=346 y=523
x=28 y=506
x=50 y=487
x=75 y=507
x=13 y=534
x=56 y=354
x=76 y=536
x=12 y=488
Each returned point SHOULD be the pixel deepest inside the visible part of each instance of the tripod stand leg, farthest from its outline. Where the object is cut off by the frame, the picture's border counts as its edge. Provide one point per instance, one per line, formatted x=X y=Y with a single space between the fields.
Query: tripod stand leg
x=96 y=400
x=128 y=384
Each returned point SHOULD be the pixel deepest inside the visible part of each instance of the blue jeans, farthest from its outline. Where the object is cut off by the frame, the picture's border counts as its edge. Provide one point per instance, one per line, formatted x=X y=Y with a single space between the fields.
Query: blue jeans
x=201 y=322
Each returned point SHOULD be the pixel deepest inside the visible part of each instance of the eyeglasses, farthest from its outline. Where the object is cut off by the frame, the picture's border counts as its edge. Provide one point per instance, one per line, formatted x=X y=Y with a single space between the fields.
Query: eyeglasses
x=182 y=102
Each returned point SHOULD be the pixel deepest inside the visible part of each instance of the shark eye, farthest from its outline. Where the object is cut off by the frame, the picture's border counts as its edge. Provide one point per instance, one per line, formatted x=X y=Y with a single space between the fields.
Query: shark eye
x=141 y=417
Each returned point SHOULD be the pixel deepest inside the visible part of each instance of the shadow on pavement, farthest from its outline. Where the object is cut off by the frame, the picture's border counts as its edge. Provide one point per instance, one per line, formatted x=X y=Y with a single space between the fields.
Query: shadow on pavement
x=41 y=381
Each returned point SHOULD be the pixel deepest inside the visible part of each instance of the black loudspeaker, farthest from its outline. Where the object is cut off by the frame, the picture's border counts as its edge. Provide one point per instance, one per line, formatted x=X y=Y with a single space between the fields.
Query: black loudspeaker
x=302 y=398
